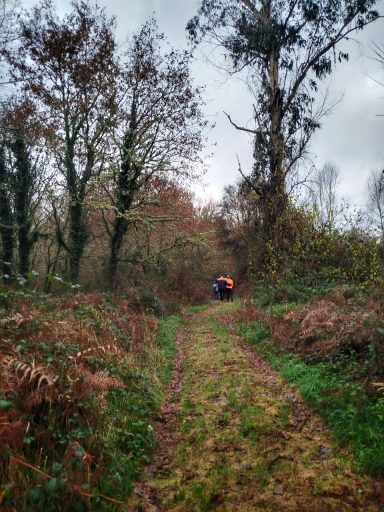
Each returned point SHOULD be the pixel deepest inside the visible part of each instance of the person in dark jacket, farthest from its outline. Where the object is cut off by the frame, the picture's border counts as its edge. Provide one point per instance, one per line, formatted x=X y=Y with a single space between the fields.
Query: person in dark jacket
x=222 y=287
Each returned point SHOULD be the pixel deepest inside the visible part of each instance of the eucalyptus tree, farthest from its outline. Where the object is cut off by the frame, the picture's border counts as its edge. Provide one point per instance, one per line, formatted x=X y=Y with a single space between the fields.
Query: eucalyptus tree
x=160 y=129
x=69 y=67
x=286 y=47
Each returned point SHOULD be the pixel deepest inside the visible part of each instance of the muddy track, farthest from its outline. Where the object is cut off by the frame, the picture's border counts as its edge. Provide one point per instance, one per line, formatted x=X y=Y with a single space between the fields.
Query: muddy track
x=233 y=436
x=146 y=496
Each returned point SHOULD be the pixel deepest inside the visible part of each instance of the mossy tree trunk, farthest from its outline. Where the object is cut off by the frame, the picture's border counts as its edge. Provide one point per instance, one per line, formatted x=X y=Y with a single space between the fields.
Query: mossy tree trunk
x=127 y=184
x=6 y=217
x=78 y=230
x=23 y=193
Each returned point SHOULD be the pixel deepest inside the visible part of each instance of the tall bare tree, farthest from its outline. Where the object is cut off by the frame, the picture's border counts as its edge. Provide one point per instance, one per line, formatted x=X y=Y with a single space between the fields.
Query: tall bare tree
x=69 y=67
x=376 y=198
x=324 y=196
x=161 y=132
x=9 y=14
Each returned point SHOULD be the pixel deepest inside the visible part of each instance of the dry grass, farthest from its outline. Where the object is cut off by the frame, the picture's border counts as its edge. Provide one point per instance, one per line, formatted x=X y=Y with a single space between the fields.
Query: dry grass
x=325 y=327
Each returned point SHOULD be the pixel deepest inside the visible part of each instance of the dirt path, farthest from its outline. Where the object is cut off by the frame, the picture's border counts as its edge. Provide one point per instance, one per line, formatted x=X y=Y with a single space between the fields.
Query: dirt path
x=234 y=437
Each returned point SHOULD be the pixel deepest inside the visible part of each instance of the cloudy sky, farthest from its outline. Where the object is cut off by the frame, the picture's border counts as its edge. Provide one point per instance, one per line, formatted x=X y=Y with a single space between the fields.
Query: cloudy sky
x=352 y=135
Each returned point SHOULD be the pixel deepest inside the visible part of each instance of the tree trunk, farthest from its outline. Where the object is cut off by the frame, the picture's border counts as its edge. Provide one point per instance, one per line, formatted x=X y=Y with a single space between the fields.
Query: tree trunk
x=120 y=228
x=78 y=235
x=274 y=202
x=277 y=200
x=23 y=195
x=129 y=175
x=6 y=218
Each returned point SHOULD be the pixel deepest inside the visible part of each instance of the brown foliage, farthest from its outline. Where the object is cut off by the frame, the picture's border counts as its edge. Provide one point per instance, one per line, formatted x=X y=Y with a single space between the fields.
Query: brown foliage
x=32 y=384
x=50 y=403
x=11 y=431
x=83 y=381
x=322 y=328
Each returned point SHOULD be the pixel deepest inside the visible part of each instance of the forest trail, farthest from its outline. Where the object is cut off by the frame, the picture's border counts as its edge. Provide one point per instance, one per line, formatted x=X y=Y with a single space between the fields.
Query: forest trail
x=234 y=437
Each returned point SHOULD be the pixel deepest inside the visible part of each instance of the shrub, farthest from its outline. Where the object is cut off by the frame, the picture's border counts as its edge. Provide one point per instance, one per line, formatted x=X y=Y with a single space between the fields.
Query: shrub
x=80 y=380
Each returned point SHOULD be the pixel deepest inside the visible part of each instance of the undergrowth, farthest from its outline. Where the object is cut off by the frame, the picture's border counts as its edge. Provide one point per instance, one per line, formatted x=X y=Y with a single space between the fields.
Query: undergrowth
x=335 y=388
x=196 y=308
x=81 y=378
x=300 y=291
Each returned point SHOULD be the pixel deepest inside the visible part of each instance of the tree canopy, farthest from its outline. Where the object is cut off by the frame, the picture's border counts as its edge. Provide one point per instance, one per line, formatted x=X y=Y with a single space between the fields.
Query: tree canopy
x=285 y=48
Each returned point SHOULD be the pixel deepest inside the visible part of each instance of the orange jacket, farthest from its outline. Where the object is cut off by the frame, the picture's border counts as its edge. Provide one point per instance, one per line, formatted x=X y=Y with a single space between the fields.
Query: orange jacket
x=230 y=283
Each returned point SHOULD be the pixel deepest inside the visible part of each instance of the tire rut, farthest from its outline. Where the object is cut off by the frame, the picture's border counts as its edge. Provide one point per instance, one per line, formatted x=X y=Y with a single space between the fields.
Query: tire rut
x=146 y=496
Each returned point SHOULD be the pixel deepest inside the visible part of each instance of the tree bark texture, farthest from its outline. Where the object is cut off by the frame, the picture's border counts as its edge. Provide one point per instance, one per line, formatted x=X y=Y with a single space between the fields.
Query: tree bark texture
x=6 y=218
x=78 y=232
x=23 y=197
x=126 y=187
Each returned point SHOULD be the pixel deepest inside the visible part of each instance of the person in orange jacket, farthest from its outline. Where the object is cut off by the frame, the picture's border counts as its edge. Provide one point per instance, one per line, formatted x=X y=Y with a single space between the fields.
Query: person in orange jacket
x=229 y=288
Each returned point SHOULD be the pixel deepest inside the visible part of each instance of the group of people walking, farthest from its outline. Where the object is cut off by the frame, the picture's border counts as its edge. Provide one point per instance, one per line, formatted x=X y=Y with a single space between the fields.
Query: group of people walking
x=223 y=288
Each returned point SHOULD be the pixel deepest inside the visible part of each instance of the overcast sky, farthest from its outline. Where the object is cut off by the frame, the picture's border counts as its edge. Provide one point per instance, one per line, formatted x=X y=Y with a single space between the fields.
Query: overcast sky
x=352 y=136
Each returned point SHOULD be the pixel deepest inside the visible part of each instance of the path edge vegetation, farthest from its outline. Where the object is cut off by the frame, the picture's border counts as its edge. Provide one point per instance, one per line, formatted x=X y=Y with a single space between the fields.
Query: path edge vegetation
x=141 y=408
x=334 y=386
x=89 y=375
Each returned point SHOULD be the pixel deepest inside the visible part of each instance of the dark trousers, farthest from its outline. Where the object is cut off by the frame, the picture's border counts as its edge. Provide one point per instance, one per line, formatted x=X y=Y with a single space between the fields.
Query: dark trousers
x=229 y=294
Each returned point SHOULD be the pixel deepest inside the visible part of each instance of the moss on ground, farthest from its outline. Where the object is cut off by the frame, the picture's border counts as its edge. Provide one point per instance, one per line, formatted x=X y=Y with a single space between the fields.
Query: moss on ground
x=241 y=443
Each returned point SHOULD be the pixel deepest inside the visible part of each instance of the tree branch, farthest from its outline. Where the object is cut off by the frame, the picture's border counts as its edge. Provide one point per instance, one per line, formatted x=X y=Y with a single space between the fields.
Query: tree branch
x=249 y=5
x=239 y=127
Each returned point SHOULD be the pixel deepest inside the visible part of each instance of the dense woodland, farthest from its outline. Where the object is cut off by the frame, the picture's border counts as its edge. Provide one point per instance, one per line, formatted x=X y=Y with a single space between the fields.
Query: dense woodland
x=103 y=243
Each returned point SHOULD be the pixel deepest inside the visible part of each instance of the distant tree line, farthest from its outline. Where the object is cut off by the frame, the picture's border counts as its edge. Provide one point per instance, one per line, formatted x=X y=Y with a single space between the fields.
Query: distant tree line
x=97 y=144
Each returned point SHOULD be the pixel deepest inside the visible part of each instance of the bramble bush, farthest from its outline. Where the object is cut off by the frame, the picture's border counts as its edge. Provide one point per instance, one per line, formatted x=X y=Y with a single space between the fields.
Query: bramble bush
x=306 y=259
